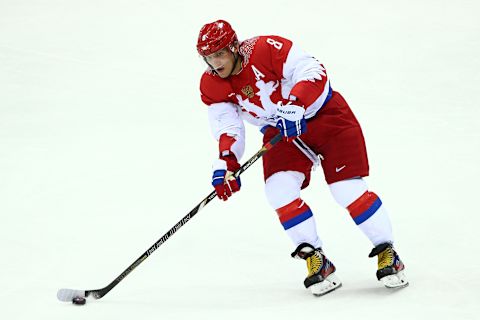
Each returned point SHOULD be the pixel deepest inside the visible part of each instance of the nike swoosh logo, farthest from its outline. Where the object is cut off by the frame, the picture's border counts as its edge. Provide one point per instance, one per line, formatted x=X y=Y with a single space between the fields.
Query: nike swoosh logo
x=340 y=169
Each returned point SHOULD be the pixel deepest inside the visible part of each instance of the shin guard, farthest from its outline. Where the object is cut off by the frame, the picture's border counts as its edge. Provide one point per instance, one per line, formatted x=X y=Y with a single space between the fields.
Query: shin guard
x=298 y=221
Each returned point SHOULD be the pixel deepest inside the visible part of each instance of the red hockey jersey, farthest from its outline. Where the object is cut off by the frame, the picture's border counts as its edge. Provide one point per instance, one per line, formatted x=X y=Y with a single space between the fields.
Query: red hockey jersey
x=273 y=70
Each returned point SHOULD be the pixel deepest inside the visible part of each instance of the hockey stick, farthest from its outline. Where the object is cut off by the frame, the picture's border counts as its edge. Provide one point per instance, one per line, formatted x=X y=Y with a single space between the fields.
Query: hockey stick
x=68 y=294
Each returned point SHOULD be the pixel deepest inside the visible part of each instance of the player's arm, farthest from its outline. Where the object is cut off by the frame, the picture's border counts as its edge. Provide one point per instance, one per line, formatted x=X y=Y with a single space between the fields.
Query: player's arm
x=311 y=86
x=228 y=129
x=299 y=70
x=308 y=81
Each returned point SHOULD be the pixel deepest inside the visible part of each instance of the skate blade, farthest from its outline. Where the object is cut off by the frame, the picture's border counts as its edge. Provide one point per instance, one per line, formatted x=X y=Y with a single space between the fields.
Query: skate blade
x=331 y=283
x=395 y=281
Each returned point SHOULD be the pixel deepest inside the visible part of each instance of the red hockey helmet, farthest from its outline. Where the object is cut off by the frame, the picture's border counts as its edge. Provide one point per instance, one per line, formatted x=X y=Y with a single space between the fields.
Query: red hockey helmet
x=215 y=36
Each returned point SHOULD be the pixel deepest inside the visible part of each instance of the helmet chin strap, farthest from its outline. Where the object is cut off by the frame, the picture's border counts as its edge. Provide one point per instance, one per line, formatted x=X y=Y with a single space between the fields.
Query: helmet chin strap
x=210 y=66
x=234 y=62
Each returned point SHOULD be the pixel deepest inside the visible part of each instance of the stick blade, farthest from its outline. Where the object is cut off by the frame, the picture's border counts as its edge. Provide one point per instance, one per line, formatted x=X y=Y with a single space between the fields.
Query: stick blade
x=66 y=295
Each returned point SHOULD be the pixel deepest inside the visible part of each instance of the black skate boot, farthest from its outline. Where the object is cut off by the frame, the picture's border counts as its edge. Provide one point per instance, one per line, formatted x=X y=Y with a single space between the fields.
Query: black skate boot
x=390 y=267
x=321 y=277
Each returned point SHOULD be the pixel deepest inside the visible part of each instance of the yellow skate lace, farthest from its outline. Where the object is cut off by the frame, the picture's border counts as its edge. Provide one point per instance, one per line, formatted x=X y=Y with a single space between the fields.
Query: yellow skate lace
x=314 y=263
x=385 y=258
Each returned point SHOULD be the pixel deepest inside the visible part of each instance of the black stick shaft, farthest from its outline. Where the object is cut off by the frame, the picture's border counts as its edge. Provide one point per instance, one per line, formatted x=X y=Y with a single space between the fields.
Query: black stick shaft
x=99 y=293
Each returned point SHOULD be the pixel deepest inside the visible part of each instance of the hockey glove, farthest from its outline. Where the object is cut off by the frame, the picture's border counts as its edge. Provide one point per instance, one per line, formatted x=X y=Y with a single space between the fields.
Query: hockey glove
x=291 y=120
x=223 y=181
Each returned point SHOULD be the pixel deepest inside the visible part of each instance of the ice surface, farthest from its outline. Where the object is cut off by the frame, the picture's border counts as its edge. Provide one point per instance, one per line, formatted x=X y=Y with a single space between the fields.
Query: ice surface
x=104 y=145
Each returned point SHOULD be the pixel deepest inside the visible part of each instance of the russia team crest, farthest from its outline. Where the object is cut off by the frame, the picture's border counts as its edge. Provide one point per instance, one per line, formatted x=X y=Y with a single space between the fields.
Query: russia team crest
x=248 y=91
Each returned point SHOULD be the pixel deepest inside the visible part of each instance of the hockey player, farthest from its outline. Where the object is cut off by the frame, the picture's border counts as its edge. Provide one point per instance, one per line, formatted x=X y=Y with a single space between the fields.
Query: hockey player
x=271 y=83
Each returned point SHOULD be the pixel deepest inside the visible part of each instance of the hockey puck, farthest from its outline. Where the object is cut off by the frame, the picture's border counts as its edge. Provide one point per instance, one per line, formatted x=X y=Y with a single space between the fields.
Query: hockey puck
x=79 y=300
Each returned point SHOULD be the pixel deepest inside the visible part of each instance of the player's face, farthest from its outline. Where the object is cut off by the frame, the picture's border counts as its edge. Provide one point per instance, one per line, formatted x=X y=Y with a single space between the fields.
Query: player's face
x=221 y=61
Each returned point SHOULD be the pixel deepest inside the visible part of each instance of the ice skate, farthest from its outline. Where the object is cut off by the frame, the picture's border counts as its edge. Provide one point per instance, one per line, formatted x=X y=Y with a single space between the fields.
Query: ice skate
x=321 y=277
x=390 y=267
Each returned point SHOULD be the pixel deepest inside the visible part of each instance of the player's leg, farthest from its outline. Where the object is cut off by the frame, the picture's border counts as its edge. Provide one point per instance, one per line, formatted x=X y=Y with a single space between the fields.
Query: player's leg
x=365 y=208
x=283 y=193
x=370 y=215
x=286 y=172
x=345 y=162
